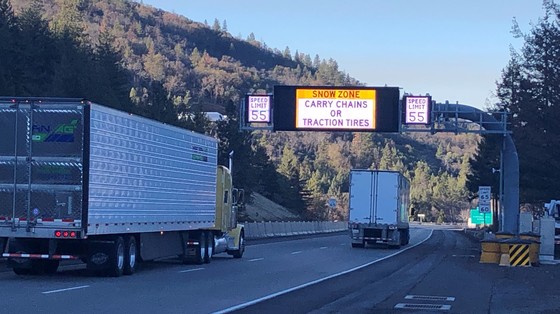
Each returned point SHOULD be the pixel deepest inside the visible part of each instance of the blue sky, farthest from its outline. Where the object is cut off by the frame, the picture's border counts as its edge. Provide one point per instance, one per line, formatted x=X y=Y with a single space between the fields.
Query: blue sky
x=453 y=50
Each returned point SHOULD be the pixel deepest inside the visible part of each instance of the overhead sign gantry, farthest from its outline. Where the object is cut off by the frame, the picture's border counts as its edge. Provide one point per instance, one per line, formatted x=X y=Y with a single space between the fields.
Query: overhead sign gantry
x=380 y=109
x=325 y=108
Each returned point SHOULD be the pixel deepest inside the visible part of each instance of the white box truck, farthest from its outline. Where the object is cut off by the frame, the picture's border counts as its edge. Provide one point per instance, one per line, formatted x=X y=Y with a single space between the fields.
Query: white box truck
x=378 y=208
x=86 y=182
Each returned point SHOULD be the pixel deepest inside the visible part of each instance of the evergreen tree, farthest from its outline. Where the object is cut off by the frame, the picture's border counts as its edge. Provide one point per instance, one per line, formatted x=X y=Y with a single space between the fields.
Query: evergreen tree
x=287 y=54
x=216 y=26
x=8 y=37
x=486 y=159
x=37 y=53
x=530 y=91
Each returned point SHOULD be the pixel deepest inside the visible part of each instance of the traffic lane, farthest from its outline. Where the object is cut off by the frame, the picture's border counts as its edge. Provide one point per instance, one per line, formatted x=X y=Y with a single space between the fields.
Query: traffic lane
x=442 y=266
x=171 y=287
x=445 y=269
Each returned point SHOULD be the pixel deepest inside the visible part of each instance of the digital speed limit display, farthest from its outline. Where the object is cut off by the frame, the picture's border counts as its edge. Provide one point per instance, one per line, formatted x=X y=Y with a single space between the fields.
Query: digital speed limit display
x=417 y=109
x=258 y=108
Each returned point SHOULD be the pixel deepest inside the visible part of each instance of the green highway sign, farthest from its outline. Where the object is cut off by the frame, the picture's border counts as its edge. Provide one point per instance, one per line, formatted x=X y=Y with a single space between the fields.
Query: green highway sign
x=479 y=218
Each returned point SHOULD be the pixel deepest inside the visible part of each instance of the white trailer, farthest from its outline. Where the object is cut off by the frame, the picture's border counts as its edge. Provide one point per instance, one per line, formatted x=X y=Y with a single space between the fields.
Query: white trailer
x=378 y=208
x=82 y=181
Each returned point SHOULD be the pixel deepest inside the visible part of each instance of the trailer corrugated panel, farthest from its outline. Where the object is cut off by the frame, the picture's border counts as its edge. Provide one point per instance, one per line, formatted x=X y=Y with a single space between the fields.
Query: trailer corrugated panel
x=71 y=164
x=144 y=172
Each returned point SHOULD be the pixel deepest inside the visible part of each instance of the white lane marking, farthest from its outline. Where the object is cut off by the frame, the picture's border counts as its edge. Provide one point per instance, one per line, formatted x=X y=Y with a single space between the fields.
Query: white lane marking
x=343 y=243
x=63 y=290
x=190 y=270
x=256 y=259
x=468 y=255
x=323 y=247
x=270 y=296
x=296 y=252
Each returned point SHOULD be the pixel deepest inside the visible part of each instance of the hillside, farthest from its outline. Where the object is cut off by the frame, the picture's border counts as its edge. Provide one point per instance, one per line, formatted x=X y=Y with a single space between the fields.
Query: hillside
x=262 y=209
x=167 y=67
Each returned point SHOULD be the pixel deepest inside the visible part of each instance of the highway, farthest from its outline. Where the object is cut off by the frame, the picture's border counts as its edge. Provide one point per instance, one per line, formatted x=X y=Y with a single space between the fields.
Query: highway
x=266 y=269
x=319 y=274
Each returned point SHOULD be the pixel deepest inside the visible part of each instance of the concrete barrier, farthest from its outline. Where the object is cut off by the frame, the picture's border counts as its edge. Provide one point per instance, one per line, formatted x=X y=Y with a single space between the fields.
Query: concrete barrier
x=258 y=230
x=261 y=231
x=250 y=230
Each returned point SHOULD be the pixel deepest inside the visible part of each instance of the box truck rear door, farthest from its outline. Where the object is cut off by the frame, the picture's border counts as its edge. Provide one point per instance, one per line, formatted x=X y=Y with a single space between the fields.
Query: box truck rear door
x=361 y=196
x=387 y=197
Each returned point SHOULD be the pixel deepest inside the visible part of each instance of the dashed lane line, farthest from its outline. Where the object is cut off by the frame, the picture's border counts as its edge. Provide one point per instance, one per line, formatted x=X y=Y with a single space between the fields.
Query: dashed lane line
x=64 y=290
x=191 y=270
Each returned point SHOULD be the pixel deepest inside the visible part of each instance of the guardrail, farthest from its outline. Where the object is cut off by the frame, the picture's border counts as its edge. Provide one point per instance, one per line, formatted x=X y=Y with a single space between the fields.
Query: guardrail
x=268 y=229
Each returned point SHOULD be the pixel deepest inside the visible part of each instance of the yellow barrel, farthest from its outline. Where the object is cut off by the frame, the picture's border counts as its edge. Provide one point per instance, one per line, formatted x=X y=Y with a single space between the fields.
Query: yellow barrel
x=515 y=252
x=519 y=254
x=490 y=251
x=504 y=235
x=534 y=246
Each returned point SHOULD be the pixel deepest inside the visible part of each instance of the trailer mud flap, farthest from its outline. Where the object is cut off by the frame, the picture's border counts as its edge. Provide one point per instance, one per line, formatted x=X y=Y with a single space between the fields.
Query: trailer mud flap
x=100 y=255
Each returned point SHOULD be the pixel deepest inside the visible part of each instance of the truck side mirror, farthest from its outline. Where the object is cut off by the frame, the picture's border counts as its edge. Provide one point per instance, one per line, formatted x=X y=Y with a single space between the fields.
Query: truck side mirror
x=241 y=196
x=234 y=196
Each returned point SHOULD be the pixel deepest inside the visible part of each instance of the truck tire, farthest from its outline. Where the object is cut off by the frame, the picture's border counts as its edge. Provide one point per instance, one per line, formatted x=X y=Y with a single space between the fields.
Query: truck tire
x=130 y=250
x=402 y=237
x=209 y=247
x=407 y=239
x=116 y=265
x=241 y=249
x=358 y=245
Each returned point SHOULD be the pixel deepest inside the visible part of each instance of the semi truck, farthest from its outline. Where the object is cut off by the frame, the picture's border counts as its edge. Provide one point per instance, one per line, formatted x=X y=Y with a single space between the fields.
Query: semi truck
x=82 y=181
x=378 y=206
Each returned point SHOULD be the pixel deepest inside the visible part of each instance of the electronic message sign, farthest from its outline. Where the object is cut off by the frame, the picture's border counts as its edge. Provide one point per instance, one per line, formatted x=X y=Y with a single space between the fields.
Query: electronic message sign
x=328 y=108
x=417 y=109
x=258 y=108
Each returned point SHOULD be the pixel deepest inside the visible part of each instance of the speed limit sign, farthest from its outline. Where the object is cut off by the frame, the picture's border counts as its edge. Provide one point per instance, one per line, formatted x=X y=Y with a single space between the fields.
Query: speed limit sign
x=484 y=195
x=484 y=208
x=417 y=109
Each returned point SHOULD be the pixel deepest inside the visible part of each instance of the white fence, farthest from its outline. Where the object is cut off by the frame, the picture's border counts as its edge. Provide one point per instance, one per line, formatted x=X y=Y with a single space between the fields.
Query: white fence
x=256 y=230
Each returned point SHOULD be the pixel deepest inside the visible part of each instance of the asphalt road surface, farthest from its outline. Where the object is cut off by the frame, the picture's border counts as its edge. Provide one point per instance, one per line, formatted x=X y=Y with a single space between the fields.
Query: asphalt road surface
x=443 y=274
x=320 y=274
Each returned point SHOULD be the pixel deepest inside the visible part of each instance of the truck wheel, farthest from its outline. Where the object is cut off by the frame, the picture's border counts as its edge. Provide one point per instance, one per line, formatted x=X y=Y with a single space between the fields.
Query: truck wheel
x=402 y=236
x=130 y=250
x=239 y=252
x=116 y=266
x=358 y=245
x=407 y=238
x=209 y=247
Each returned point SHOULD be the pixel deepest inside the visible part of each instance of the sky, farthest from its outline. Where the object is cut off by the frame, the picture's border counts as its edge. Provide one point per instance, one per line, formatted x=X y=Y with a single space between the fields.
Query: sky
x=452 y=50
